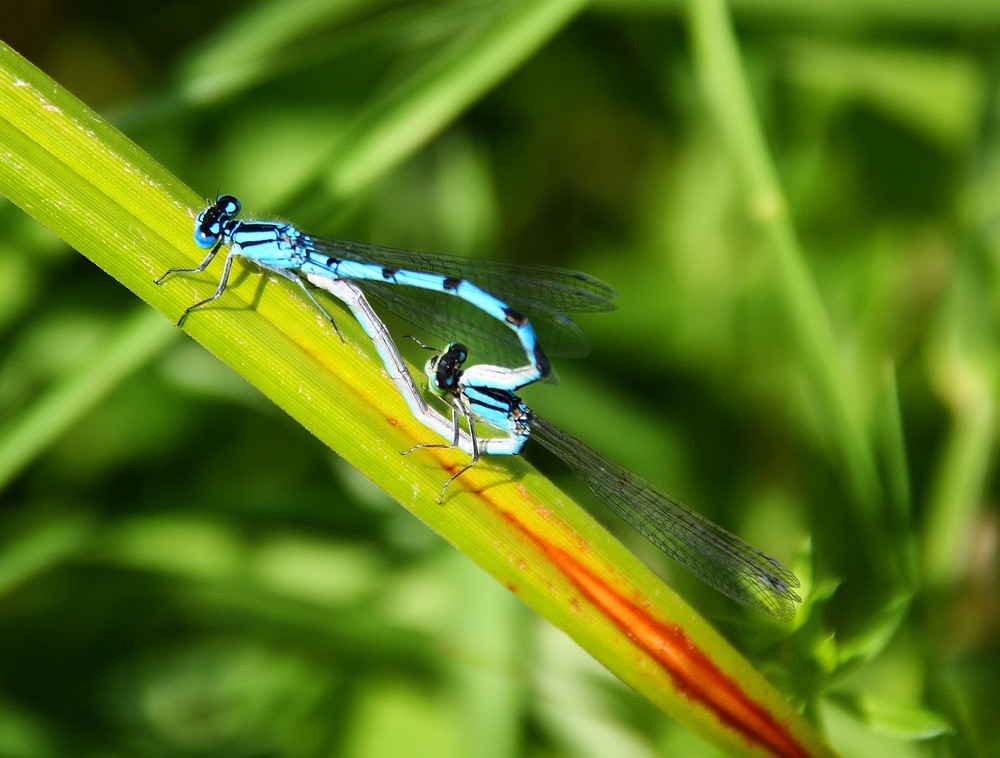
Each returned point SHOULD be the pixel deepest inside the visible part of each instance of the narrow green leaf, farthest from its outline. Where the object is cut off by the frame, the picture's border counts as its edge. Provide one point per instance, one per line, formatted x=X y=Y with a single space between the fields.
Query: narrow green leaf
x=447 y=85
x=728 y=92
x=139 y=339
x=84 y=180
x=30 y=549
x=875 y=635
x=884 y=717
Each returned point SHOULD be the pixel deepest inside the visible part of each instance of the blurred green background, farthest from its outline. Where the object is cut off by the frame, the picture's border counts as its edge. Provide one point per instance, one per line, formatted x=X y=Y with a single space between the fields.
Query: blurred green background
x=187 y=572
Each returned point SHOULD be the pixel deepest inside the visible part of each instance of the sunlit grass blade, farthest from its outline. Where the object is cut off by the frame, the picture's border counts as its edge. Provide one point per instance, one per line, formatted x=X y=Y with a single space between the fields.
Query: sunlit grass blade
x=87 y=182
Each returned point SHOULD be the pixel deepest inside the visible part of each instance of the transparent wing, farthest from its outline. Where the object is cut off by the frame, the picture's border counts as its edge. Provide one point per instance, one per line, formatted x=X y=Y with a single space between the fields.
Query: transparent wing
x=715 y=556
x=542 y=288
x=544 y=294
x=491 y=341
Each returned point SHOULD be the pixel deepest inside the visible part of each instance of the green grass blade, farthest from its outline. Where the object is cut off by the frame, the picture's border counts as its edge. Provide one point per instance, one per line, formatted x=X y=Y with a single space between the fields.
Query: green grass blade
x=139 y=339
x=726 y=86
x=227 y=64
x=444 y=88
x=892 y=449
x=87 y=182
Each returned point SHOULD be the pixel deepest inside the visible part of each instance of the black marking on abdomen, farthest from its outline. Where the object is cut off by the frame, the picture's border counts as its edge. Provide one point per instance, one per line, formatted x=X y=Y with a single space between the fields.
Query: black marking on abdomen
x=542 y=361
x=513 y=317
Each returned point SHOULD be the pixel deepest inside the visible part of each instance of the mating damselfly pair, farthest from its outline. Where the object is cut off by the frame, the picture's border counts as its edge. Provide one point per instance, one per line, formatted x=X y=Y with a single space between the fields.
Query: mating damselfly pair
x=503 y=311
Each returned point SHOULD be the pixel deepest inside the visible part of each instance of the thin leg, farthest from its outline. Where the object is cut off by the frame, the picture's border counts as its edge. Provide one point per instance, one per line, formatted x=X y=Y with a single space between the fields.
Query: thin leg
x=219 y=290
x=470 y=447
x=294 y=277
x=460 y=406
x=197 y=269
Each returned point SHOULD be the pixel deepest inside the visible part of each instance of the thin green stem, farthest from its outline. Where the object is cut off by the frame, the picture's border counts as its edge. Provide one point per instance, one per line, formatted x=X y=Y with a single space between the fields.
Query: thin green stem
x=139 y=339
x=892 y=446
x=960 y=481
x=727 y=89
x=397 y=125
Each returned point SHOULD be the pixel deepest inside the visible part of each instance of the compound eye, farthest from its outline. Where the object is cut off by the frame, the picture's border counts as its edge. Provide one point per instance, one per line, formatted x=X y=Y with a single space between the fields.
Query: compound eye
x=228 y=205
x=207 y=227
x=444 y=379
x=206 y=235
x=457 y=354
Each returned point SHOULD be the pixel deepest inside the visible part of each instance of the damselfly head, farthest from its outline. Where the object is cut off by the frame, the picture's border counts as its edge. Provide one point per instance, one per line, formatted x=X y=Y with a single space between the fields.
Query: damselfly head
x=444 y=369
x=211 y=223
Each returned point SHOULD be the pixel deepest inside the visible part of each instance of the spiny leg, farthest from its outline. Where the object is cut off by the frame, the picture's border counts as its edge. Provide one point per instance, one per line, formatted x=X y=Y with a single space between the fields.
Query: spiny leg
x=464 y=410
x=196 y=270
x=219 y=290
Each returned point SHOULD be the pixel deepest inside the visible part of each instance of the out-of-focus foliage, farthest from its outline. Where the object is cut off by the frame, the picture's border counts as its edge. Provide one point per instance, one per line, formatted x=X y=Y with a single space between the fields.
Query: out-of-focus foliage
x=187 y=572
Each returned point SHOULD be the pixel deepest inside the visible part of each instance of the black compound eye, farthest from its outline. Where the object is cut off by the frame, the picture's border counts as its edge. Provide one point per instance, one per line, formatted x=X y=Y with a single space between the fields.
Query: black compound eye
x=228 y=205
